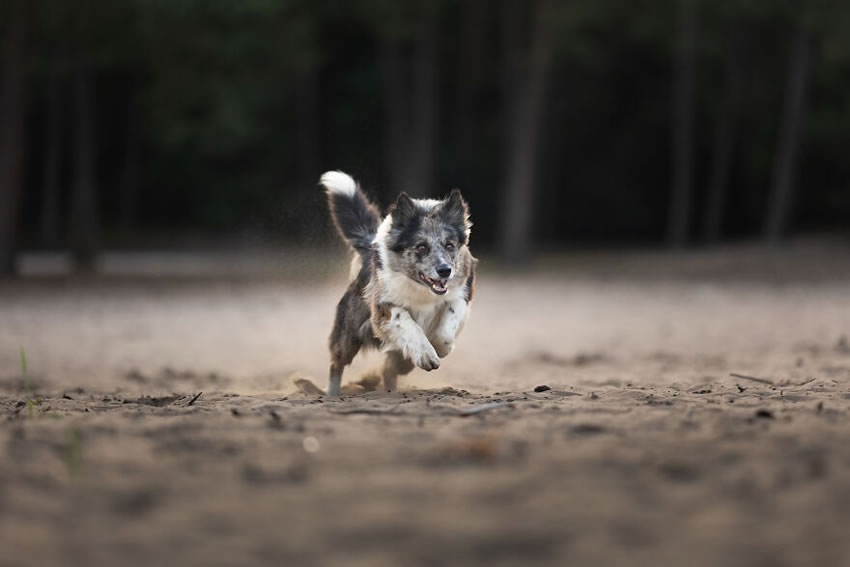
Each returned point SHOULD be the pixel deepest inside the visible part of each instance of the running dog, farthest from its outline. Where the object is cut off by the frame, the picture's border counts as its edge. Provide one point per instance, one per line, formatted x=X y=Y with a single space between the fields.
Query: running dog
x=413 y=279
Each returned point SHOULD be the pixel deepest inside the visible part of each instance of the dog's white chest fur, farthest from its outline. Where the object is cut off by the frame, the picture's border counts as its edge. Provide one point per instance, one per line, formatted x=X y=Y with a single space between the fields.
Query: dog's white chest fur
x=424 y=306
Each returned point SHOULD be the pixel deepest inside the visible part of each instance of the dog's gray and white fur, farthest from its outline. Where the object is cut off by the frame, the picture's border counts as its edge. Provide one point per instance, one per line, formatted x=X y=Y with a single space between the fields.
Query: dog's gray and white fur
x=413 y=279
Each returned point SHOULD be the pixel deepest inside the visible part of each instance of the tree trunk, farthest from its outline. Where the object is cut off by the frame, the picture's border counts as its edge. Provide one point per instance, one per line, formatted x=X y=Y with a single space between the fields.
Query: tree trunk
x=55 y=138
x=470 y=70
x=13 y=138
x=788 y=145
x=519 y=192
x=395 y=111
x=307 y=125
x=410 y=92
x=131 y=167
x=84 y=205
x=513 y=41
x=682 y=162
x=422 y=161
x=724 y=142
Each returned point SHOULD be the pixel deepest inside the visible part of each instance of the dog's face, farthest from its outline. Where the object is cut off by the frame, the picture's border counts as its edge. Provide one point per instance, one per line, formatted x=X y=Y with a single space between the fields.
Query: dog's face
x=425 y=239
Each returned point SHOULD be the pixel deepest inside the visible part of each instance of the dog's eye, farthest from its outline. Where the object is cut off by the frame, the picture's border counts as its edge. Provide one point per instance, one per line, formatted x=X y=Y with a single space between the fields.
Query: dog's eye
x=450 y=246
x=422 y=248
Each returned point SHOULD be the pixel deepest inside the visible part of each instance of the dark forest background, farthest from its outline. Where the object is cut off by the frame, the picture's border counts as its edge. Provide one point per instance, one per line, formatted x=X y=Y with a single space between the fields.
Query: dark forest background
x=140 y=123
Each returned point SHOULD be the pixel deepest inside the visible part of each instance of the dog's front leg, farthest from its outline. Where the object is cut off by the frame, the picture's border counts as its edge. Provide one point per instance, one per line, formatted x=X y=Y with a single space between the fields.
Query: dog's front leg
x=451 y=323
x=399 y=331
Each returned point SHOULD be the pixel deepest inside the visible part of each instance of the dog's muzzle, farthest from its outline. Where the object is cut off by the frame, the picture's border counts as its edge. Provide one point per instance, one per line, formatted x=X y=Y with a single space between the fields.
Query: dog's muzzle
x=438 y=286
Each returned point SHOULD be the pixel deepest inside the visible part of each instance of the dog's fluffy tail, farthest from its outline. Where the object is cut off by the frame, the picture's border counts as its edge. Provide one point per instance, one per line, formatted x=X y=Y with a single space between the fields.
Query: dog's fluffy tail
x=354 y=216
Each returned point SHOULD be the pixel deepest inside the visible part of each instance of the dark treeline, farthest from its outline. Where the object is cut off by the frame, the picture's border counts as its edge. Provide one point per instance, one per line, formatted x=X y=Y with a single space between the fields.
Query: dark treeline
x=683 y=122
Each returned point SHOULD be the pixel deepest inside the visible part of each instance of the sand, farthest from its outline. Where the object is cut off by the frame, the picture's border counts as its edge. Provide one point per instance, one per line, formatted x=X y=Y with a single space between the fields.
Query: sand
x=643 y=451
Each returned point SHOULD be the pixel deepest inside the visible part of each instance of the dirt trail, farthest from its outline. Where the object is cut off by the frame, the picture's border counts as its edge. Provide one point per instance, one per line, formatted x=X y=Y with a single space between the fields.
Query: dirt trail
x=644 y=451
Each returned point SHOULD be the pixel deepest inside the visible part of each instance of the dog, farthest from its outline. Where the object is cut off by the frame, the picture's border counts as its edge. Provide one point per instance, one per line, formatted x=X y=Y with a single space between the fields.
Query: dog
x=413 y=279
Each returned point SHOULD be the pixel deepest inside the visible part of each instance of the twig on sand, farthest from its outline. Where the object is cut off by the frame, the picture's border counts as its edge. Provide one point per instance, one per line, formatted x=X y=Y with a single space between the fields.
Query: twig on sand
x=449 y=410
x=482 y=408
x=796 y=384
x=752 y=378
x=458 y=412
x=367 y=411
x=195 y=399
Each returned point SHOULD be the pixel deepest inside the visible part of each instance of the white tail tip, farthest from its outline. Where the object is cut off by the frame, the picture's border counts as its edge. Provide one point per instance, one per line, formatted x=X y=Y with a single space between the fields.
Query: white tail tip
x=339 y=182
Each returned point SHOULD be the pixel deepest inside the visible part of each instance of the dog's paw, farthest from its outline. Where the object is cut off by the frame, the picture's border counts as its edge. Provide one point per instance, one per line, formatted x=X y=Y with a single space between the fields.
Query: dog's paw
x=427 y=359
x=429 y=363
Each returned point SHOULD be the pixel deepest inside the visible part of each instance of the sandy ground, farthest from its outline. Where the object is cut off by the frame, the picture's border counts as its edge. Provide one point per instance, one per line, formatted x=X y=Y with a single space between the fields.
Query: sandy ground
x=645 y=451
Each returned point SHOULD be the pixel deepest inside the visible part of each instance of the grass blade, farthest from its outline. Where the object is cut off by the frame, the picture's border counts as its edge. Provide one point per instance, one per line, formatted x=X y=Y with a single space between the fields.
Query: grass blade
x=24 y=371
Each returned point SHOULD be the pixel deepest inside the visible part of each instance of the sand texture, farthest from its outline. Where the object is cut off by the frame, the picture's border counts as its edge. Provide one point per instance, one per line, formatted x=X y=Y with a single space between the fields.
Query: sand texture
x=644 y=449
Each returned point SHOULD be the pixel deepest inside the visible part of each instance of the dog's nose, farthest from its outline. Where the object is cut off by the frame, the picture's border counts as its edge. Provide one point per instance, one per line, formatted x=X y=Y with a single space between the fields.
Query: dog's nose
x=444 y=271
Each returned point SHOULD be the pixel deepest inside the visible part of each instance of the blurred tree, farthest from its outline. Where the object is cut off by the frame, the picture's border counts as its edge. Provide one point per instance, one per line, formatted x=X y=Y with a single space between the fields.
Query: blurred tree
x=87 y=20
x=301 y=60
x=525 y=107
x=216 y=116
x=13 y=135
x=725 y=134
x=131 y=164
x=54 y=145
x=788 y=143
x=307 y=123
x=231 y=122
x=471 y=60
x=409 y=35
x=52 y=42
x=682 y=159
x=83 y=222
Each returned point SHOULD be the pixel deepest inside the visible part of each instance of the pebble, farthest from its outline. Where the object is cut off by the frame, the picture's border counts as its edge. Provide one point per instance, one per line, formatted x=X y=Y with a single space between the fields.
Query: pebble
x=310 y=444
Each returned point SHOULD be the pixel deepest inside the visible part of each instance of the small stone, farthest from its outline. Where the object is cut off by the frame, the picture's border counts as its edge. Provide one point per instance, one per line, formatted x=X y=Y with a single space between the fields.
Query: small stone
x=310 y=444
x=542 y=388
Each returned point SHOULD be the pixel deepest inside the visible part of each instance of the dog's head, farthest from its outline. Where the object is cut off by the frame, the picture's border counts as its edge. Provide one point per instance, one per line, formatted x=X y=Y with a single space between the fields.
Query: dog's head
x=426 y=239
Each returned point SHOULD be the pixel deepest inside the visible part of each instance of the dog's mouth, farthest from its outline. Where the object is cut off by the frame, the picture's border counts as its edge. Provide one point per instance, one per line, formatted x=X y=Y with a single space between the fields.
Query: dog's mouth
x=437 y=286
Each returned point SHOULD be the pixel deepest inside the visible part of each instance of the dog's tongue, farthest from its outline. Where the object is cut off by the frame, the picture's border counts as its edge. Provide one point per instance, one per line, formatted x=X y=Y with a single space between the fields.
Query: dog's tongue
x=437 y=286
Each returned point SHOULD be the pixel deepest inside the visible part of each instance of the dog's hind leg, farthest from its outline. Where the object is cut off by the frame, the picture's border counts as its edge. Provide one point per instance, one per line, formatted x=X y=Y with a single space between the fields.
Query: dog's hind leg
x=341 y=356
x=345 y=343
x=334 y=380
x=395 y=365
x=342 y=353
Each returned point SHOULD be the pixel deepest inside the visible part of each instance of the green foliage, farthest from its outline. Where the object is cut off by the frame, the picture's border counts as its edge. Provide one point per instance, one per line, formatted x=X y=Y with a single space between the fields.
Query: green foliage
x=31 y=403
x=27 y=388
x=214 y=86
x=24 y=373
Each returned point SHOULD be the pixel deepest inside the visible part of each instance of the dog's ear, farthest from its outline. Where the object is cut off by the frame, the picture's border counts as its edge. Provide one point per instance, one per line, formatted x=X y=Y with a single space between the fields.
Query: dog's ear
x=406 y=220
x=403 y=210
x=455 y=211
